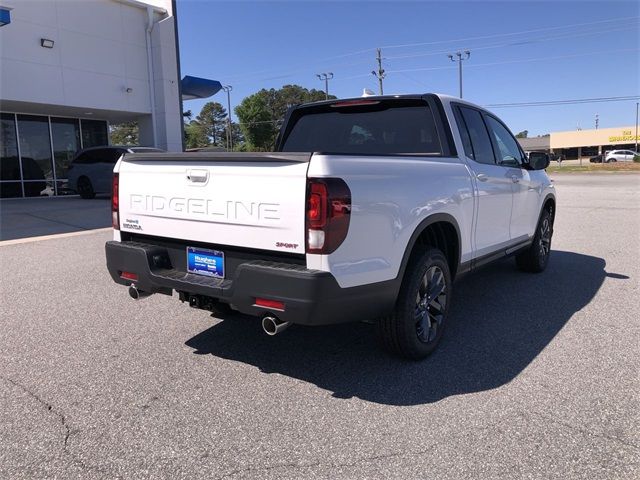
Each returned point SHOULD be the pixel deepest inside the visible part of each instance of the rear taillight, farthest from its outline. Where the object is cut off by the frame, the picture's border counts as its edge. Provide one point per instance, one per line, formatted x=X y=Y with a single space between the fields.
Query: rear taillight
x=129 y=276
x=274 y=304
x=115 y=202
x=328 y=214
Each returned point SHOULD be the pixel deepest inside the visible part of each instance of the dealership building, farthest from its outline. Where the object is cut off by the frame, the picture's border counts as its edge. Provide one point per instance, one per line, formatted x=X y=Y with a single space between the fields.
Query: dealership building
x=69 y=69
x=577 y=144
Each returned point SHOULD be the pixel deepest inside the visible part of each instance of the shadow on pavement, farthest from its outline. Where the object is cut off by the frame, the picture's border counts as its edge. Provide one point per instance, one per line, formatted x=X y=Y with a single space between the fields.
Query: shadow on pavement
x=501 y=319
x=35 y=217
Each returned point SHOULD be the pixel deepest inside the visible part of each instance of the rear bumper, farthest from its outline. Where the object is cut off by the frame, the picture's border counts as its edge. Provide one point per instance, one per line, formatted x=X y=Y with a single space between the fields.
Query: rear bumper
x=311 y=297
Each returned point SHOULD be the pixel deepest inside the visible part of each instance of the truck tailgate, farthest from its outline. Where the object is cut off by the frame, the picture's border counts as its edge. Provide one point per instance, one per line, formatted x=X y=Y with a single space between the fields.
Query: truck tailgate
x=245 y=200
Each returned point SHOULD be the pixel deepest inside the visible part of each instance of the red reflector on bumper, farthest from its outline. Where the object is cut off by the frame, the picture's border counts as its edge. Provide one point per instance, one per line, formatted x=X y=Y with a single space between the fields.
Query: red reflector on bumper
x=275 y=304
x=128 y=276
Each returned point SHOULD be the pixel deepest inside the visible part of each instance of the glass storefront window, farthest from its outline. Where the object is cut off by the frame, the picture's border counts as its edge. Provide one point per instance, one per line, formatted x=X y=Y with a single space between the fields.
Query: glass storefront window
x=9 y=164
x=65 y=134
x=35 y=153
x=94 y=133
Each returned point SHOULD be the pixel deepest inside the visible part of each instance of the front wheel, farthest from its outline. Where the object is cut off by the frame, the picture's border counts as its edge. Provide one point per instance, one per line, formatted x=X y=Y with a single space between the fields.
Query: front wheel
x=414 y=328
x=535 y=258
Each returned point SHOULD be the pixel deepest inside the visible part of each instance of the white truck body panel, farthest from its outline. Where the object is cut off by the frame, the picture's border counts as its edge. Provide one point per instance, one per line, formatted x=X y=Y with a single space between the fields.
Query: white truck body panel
x=257 y=205
x=390 y=198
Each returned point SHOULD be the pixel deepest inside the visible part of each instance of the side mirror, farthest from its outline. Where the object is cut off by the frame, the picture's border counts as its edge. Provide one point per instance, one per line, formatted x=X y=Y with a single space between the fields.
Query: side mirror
x=538 y=160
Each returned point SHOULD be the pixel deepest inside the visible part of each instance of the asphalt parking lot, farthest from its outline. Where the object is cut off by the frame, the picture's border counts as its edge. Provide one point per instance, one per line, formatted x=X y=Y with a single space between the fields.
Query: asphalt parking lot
x=538 y=376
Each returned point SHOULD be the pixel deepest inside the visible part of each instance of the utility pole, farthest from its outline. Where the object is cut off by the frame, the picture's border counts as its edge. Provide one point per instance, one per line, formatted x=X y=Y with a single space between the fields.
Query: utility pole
x=597 y=121
x=460 y=59
x=380 y=73
x=228 y=88
x=326 y=77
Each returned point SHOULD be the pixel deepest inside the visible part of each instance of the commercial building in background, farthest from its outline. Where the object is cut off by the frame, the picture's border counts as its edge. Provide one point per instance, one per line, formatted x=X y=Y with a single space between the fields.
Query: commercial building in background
x=68 y=69
x=576 y=144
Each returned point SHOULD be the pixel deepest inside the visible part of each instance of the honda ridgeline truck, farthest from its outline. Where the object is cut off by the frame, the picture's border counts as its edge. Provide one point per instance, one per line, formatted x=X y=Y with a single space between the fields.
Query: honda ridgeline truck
x=368 y=209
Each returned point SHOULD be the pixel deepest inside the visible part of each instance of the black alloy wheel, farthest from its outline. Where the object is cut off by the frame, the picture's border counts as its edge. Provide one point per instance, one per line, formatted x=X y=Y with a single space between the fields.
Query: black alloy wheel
x=415 y=326
x=535 y=258
x=431 y=304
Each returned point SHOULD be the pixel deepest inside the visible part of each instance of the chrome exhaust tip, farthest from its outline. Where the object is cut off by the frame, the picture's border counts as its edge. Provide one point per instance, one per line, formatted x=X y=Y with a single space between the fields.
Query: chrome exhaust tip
x=137 y=294
x=273 y=325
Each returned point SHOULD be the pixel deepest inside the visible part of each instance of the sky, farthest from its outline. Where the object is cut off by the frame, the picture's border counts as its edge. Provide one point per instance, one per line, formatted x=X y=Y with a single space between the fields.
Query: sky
x=521 y=51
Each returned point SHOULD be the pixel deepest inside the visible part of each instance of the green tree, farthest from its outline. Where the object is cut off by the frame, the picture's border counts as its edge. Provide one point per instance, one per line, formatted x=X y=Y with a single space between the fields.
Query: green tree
x=213 y=118
x=126 y=133
x=522 y=134
x=262 y=113
x=195 y=135
x=256 y=123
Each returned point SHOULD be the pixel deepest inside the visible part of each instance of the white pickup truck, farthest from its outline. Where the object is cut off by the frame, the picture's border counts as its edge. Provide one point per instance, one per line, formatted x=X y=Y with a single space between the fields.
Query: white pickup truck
x=392 y=199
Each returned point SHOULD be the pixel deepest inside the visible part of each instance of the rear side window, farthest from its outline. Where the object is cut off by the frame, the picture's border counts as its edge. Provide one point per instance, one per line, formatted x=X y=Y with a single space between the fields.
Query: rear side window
x=379 y=128
x=477 y=131
x=81 y=159
x=464 y=133
x=93 y=156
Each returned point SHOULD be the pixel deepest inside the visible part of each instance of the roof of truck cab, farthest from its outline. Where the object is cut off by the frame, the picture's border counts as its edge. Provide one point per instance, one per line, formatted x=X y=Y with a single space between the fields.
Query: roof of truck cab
x=410 y=96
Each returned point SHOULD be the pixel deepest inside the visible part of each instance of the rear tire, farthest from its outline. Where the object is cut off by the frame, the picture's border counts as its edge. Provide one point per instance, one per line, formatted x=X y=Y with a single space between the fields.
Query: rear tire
x=85 y=189
x=535 y=258
x=414 y=328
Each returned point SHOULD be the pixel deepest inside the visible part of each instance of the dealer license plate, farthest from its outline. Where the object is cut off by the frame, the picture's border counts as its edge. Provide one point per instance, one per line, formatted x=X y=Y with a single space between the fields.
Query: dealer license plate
x=205 y=262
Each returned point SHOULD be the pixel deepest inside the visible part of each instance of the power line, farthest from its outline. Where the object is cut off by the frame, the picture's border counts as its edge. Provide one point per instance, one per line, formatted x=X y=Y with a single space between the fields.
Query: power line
x=518 y=43
x=510 y=34
x=565 y=102
x=518 y=60
x=440 y=52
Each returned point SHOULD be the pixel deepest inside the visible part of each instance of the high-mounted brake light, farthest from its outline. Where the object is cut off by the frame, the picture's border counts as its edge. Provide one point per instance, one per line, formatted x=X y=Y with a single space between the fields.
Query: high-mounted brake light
x=354 y=103
x=328 y=214
x=115 y=202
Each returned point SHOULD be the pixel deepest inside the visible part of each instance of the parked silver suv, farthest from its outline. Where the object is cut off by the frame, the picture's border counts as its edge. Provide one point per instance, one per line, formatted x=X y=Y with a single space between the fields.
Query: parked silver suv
x=91 y=170
x=620 y=156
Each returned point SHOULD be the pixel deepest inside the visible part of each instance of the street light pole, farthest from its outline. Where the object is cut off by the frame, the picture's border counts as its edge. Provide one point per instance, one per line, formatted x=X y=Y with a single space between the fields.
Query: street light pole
x=460 y=59
x=228 y=88
x=326 y=77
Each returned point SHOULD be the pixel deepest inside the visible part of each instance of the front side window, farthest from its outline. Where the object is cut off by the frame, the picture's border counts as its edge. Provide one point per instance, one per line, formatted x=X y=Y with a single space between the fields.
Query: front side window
x=507 y=150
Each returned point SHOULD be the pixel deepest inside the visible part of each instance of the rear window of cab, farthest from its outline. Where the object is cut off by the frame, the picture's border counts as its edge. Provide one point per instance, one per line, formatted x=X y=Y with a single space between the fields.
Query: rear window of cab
x=374 y=127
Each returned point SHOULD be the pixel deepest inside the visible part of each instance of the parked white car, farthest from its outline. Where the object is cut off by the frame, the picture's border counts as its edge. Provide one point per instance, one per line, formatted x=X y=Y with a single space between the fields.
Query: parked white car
x=91 y=170
x=620 y=156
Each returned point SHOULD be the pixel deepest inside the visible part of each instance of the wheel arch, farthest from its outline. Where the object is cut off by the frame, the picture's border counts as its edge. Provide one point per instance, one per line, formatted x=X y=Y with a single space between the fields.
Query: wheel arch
x=549 y=203
x=440 y=230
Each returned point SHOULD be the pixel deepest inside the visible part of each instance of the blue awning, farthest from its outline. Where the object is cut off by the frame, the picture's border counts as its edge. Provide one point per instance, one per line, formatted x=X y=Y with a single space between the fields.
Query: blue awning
x=5 y=16
x=195 y=87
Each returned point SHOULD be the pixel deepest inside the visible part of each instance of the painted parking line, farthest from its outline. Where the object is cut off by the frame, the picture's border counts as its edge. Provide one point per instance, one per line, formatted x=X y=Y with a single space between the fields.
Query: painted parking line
x=18 y=241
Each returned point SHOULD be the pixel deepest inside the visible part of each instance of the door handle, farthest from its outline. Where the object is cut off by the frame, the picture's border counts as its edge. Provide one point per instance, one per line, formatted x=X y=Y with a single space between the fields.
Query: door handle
x=515 y=179
x=482 y=177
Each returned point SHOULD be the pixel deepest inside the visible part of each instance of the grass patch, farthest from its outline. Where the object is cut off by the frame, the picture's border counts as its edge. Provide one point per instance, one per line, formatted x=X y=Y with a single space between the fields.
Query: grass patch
x=596 y=167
